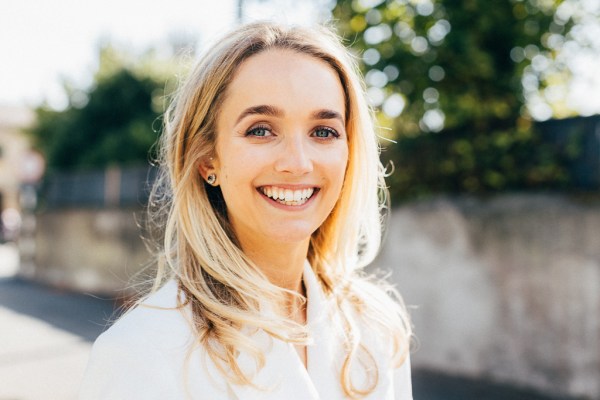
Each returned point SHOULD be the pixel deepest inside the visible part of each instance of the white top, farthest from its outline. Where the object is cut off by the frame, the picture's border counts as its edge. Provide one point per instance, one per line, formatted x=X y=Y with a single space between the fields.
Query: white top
x=145 y=355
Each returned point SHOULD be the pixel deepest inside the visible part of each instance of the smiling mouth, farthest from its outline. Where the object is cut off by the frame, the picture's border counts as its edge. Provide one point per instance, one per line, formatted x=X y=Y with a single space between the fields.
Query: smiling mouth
x=288 y=197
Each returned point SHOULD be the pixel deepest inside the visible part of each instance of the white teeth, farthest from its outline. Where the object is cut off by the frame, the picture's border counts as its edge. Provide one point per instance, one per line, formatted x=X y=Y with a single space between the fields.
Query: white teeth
x=287 y=196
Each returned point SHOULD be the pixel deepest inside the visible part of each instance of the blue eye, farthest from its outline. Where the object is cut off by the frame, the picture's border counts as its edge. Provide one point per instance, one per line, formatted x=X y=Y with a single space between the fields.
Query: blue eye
x=259 y=131
x=324 y=132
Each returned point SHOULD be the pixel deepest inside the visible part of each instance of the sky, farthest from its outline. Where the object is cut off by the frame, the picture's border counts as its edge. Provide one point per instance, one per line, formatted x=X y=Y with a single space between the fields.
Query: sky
x=44 y=43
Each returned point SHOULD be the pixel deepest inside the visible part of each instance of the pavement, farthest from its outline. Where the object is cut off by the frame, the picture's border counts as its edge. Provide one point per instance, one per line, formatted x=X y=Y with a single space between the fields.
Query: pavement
x=46 y=336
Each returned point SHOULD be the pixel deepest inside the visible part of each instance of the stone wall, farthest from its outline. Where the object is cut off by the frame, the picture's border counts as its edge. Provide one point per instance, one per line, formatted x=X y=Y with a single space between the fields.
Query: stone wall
x=507 y=288
x=89 y=250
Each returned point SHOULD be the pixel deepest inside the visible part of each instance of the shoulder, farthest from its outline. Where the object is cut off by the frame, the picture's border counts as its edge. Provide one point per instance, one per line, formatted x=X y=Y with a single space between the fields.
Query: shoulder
x=378 y=313
x=382 y=324
x=143 y=353
x=157 y=322
x=393 y=363
x=402 y=380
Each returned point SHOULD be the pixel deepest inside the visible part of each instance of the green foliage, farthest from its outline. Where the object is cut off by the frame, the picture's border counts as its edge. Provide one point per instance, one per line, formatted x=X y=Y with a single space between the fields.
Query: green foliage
x=455 y=161
x=113 y=122
x=446 y=76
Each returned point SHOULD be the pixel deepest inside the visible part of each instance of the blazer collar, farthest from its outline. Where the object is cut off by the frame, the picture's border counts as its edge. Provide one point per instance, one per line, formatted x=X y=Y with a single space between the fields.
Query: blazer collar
x=283 y=373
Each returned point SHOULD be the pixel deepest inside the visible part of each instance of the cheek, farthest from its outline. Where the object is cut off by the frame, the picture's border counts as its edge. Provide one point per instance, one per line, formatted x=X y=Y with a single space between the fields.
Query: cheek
x=334 y=165
x=236 y=165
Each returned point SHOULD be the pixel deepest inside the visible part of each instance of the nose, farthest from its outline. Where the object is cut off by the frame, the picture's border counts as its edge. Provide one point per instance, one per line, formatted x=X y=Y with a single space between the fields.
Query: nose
x=295 y=157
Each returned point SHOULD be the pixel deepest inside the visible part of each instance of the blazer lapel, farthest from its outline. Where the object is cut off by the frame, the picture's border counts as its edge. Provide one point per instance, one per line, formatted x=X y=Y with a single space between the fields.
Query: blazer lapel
x=325 y=353
x=282 y=377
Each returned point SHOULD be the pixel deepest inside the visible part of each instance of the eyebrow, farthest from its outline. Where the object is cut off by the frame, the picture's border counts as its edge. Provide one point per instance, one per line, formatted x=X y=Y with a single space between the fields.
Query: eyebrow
x=278 y=112
x=328 y=114
x=260 y=110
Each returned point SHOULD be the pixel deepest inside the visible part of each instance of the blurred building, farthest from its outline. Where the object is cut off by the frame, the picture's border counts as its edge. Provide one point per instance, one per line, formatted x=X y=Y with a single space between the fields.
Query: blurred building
x=14 y=147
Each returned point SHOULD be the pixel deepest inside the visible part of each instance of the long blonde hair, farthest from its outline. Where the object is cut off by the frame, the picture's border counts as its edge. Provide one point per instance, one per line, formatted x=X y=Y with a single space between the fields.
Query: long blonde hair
x=222 y=286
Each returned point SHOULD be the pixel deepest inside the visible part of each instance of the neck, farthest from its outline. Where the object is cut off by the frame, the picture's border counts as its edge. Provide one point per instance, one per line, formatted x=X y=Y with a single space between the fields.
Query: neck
x=282 y=263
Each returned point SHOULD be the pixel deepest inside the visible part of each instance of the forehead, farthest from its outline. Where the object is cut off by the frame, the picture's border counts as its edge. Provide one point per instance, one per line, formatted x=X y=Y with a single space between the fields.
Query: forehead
x=290 y=80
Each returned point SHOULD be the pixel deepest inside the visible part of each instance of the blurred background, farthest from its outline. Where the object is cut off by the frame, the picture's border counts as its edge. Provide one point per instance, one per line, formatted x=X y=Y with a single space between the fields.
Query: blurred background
x=489 y=114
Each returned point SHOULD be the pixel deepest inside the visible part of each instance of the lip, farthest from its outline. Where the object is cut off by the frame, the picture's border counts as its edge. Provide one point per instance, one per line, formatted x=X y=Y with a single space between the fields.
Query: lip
x=280 y=206
x=298 y=186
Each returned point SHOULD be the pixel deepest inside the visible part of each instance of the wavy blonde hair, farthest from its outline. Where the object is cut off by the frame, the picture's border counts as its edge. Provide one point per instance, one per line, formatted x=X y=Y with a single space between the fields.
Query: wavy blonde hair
x=218 y=281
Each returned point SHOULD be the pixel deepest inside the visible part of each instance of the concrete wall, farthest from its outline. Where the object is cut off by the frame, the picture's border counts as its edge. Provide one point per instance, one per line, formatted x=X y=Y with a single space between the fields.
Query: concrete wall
x=88 y=250
x=507 y=288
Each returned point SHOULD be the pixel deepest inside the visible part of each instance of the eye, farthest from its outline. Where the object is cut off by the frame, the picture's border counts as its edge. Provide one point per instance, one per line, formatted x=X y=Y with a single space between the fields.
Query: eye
x=259 y=131
x=324 y=132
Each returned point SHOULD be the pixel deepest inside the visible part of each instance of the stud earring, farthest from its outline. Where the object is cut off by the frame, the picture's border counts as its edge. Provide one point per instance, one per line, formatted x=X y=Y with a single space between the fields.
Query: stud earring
x=211 y=179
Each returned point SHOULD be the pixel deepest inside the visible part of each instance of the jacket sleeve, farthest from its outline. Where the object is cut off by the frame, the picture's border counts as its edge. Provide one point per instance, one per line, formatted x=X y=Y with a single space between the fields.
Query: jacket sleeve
x=125 y=369
x=402 y=381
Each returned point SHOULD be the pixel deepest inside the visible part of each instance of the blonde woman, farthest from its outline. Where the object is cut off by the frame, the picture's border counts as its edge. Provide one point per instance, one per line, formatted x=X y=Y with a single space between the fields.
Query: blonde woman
x=274 y=191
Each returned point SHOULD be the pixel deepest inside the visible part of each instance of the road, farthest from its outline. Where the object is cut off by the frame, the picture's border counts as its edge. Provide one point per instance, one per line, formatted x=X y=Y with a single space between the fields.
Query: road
x=46 y=335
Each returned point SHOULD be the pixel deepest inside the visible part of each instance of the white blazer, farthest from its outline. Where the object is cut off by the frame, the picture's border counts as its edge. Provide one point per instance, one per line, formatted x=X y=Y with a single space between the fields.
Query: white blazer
x=145 y=355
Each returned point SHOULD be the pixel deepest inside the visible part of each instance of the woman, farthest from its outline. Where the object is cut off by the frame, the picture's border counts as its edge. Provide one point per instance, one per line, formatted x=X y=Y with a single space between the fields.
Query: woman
x=273 y=186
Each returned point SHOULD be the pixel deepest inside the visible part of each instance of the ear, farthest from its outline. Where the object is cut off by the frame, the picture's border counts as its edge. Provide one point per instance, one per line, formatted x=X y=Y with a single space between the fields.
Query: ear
x=207 y=166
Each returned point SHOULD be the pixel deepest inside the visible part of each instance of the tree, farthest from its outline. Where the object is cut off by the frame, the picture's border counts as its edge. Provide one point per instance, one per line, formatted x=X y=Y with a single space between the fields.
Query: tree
x=446 y=76
x=116 y=121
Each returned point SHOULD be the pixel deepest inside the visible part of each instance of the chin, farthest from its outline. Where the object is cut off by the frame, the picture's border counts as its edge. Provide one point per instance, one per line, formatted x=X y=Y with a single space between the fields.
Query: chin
x=287 y=235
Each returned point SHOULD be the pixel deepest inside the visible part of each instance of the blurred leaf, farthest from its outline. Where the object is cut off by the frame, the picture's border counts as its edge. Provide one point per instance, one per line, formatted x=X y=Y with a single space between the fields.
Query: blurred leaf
x=459 y=67
x=109 y=123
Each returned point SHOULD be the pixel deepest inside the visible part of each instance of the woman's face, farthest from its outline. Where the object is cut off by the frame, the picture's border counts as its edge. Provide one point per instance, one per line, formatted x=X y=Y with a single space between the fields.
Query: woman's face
x=282 y=147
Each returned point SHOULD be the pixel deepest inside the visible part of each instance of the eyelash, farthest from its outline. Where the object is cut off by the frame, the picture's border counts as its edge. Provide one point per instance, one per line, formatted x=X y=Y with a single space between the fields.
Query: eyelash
x=254 y=129
x=332 y=131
